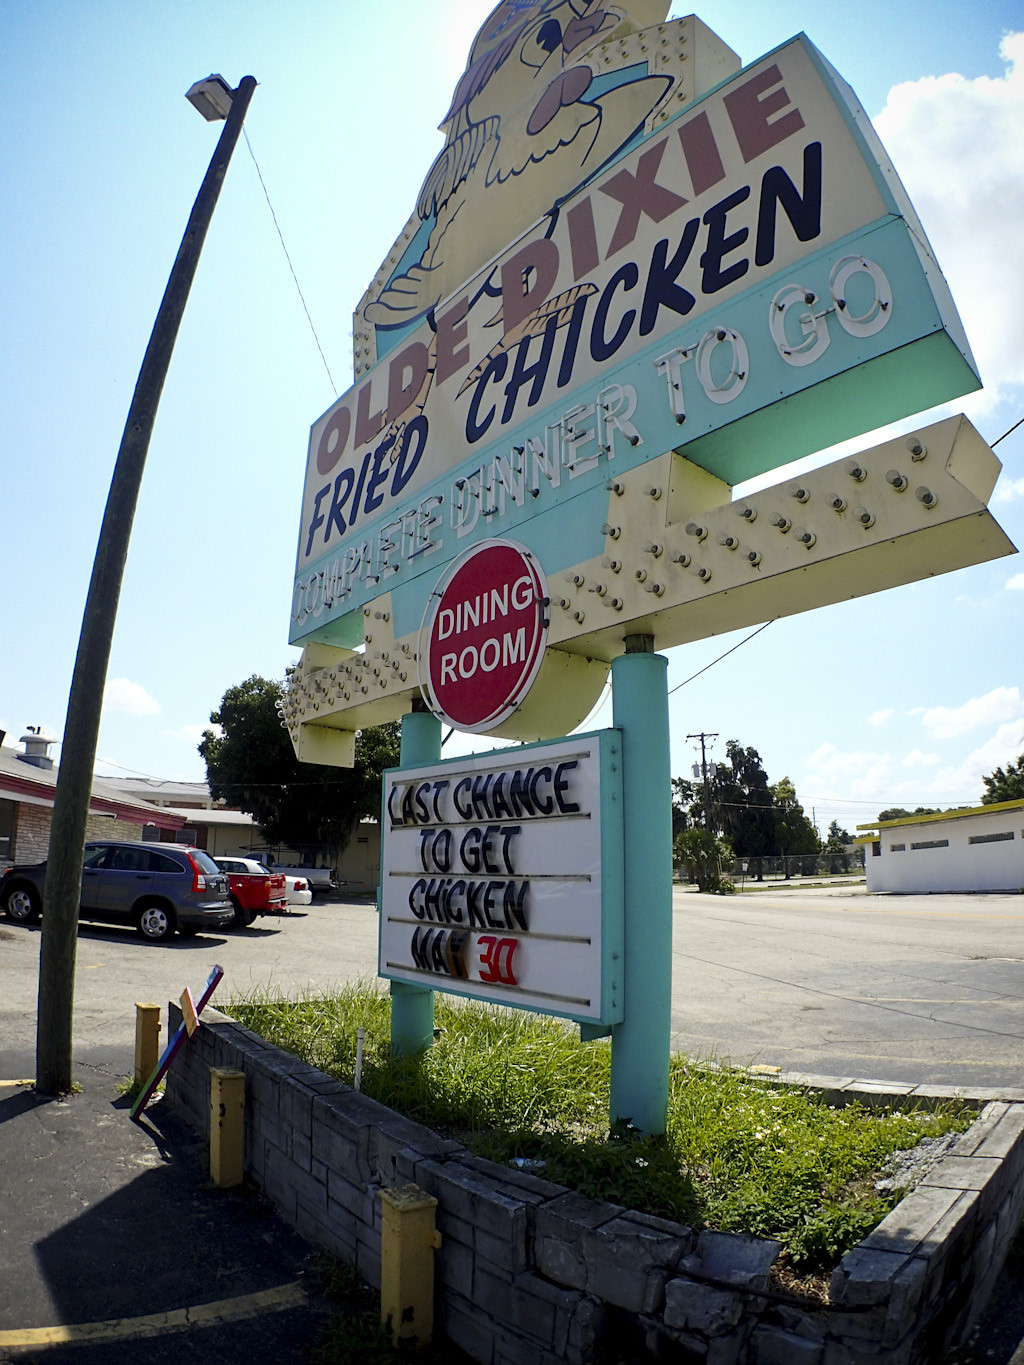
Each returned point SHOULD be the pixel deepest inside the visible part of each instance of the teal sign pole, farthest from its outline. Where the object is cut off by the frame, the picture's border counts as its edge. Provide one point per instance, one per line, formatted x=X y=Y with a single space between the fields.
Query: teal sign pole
x=640 y=1044
x=412 y=1007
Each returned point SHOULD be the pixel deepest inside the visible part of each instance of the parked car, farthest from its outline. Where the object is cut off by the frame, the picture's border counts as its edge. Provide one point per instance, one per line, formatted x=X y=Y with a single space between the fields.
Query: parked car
x=254 y=890
x=158 y=888
x=321 y=880
x=298 y=890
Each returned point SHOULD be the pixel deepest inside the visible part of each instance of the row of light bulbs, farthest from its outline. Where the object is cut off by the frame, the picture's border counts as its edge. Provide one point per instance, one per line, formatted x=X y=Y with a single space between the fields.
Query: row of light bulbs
x=747 y=513
x=357 y=675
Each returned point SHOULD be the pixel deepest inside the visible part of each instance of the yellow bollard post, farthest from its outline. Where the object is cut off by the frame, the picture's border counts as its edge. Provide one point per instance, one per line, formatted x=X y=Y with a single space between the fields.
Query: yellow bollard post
x=227 y=1127
x=147 y=1041
x=408 y=1241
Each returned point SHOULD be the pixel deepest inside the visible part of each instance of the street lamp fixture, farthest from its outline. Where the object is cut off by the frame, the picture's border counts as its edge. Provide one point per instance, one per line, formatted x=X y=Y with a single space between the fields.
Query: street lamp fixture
x=212 y=97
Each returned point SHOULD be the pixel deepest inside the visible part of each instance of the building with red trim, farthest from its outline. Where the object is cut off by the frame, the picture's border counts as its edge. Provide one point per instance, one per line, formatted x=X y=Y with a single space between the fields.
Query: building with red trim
x=28 y=782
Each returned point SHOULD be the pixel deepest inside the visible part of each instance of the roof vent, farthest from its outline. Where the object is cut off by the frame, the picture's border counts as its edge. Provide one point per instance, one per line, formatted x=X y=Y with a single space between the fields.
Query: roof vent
x=37 y=747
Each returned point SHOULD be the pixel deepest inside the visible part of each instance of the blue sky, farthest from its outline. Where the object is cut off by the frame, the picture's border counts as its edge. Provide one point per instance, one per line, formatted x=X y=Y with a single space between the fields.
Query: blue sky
x=903 y=698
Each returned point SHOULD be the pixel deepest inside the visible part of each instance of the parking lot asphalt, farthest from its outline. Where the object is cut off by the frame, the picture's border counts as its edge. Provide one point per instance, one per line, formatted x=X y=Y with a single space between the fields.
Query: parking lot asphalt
x=117 y=1247
x=114 y=1243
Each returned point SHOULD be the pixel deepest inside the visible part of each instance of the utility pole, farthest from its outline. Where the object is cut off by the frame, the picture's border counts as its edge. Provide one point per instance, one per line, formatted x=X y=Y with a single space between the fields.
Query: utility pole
x=709 y=823
x=63 y=888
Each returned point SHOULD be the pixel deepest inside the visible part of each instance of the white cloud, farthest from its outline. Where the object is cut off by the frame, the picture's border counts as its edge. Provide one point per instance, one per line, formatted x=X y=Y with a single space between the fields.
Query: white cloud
x=917 y=758
x=862 y=779
x=1008 y=489
x=878 y=718
x=1001 y=704
x=192 y=734
x=1016 y=583
x=1006 y=744
x=121 y=694
x=857 y=775
x=958 y=146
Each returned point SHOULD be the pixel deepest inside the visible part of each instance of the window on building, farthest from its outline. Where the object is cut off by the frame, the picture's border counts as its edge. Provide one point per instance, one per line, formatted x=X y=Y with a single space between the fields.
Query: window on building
x=876 y=849
x=897 y=848
x=999 y=838
x=931 y=843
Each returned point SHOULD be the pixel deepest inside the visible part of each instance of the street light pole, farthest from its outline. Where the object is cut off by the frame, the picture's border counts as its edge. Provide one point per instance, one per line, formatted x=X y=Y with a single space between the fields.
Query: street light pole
x=62 y=892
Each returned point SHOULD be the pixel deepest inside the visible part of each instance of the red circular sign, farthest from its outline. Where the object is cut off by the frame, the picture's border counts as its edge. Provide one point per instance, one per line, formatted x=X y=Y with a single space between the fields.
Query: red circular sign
x=483 y=636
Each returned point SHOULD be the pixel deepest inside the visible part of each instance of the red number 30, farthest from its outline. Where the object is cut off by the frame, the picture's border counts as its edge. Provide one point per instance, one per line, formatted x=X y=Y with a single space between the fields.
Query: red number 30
x=497 y=959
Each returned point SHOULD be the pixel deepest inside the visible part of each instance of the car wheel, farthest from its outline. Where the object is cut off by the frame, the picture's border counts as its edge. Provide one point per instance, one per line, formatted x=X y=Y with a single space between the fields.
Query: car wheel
x=21 y=904
x=155 y=923
x=242 y=916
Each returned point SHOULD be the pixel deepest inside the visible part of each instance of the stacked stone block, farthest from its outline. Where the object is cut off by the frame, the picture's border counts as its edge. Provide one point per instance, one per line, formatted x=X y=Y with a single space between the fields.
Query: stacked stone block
x=530 y=1273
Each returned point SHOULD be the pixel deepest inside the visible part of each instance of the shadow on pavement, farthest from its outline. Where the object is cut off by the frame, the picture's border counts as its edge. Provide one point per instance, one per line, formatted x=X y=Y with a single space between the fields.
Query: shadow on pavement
x=103 y=1219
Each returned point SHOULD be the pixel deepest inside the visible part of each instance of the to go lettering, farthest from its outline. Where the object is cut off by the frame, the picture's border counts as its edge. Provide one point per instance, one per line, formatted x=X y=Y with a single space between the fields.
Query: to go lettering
x=860 y=299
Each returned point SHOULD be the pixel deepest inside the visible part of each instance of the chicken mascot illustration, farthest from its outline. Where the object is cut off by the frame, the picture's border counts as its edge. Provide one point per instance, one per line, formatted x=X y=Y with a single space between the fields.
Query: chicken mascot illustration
x=547 y=98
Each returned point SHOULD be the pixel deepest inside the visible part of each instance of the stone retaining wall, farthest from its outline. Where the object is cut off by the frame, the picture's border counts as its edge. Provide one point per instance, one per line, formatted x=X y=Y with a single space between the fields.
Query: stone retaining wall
x=529 y=1272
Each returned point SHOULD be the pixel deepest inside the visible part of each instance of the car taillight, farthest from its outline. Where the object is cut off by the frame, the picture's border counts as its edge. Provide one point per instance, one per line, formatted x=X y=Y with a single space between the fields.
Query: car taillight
x=198 y=877
x=266 y=885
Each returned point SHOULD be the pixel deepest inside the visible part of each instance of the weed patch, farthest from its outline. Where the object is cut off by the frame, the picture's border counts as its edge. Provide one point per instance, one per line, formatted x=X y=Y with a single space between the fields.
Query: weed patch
x=739 y=1154
x=353 y=1334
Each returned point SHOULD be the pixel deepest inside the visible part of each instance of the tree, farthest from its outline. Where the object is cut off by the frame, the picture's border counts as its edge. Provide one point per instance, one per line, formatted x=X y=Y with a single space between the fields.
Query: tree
x=1005 y=785
x=794 y=833
x=703 y=855
x=757 y=820
x=682 y=802
x=835 y=848
x=252 y=765
x=898 y=812
x=743 y=802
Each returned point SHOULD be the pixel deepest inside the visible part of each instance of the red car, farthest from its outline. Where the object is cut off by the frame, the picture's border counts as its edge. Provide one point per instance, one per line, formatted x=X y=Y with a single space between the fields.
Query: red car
x=254 y=890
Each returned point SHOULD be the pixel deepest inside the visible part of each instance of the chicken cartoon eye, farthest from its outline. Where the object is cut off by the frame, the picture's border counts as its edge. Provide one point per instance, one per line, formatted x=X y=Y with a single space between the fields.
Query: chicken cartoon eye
x=550 y=35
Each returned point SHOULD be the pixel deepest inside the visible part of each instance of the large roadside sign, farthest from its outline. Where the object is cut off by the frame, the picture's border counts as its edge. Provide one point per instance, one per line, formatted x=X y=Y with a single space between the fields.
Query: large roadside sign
x=734 y=280
x=729 y=287
x=636 y=276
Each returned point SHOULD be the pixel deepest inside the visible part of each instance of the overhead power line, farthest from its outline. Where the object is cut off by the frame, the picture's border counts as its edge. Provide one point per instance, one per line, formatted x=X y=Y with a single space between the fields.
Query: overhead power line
x=721 y=656
x=1006 y=433
x=288 y=258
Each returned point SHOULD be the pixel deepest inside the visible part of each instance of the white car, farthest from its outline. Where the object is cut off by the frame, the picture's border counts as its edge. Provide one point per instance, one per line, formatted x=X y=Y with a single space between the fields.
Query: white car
x=298 y=890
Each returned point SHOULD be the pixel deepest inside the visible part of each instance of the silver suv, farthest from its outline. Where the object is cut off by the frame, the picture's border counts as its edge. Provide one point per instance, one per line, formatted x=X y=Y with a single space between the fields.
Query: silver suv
x=155 y=887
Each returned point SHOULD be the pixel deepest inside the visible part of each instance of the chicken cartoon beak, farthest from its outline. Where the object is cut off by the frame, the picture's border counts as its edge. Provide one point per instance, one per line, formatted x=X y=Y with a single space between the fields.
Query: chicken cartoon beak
x=567 y=88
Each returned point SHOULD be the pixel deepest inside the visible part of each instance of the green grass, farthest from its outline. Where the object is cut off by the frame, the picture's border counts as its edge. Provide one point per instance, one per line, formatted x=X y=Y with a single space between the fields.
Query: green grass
x=129 y=1088
x=740 y=1154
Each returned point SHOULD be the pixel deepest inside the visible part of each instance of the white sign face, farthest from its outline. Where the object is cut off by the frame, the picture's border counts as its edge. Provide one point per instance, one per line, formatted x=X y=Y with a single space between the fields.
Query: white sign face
x=501 y=877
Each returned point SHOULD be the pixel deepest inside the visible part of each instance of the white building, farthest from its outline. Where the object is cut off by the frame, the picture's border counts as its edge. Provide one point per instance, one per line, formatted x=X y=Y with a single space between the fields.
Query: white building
x=979 y=849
